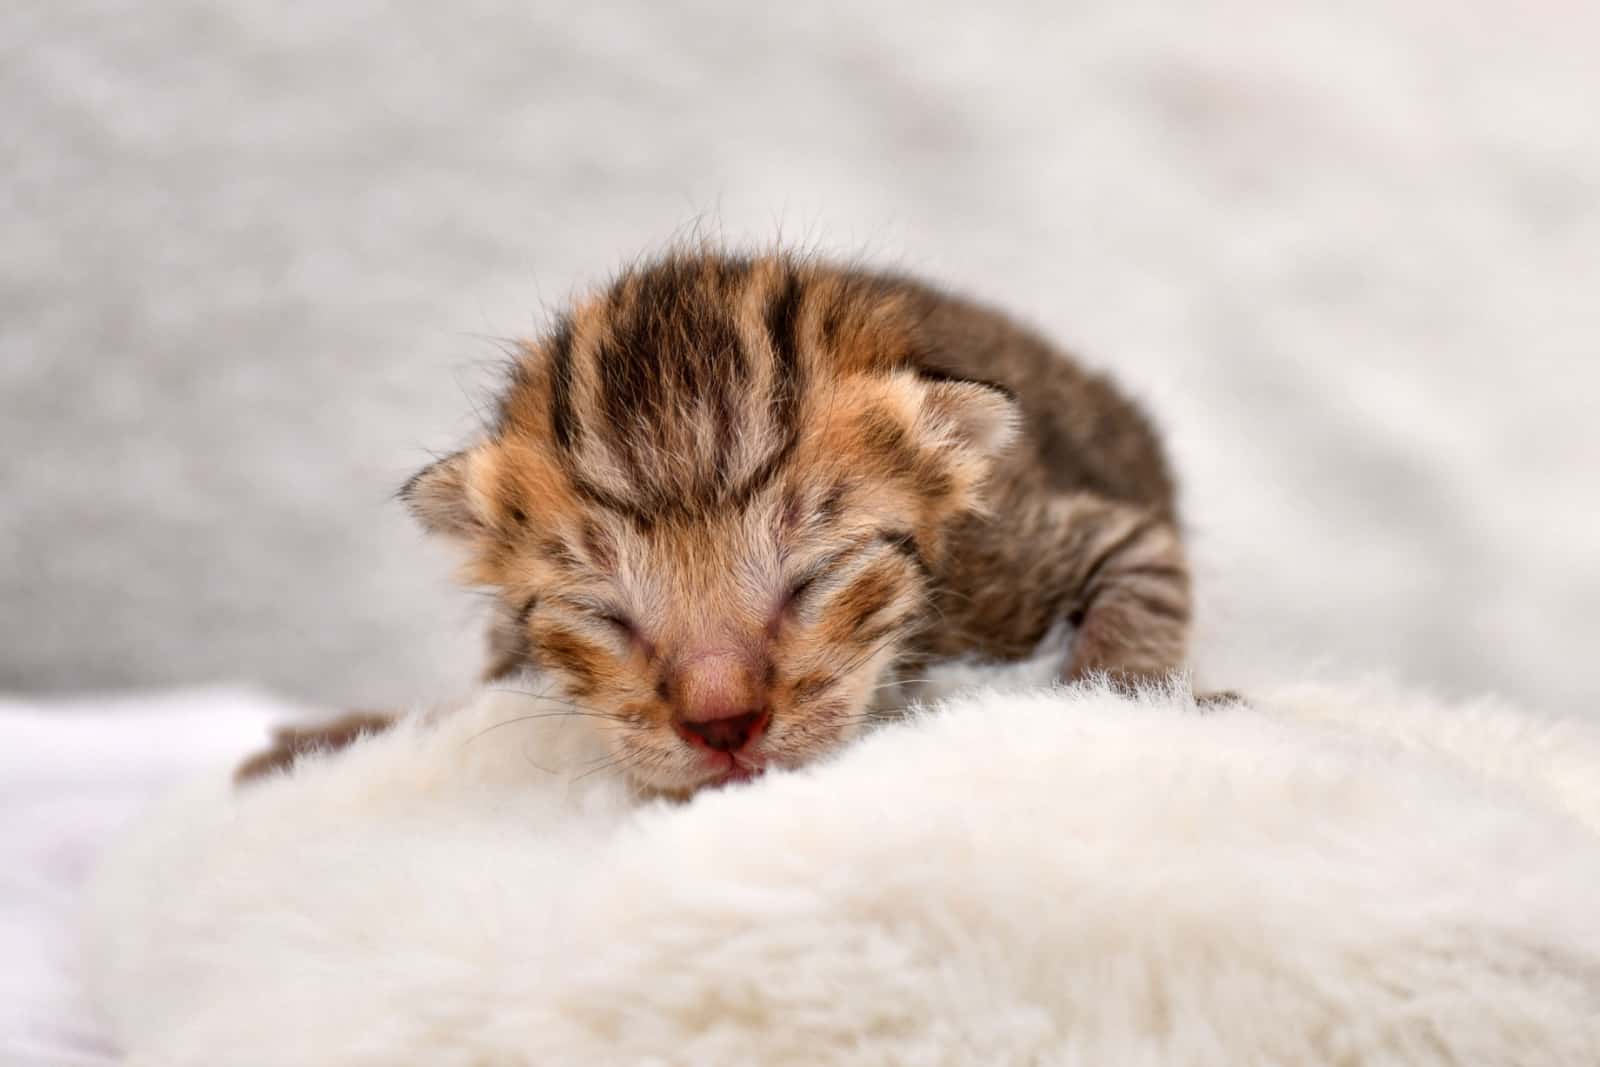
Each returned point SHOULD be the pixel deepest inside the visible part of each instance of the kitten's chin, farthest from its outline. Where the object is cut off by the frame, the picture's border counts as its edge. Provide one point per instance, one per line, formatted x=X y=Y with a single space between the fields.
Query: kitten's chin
x=725 y=768
x=709 y=770
x=738 y=774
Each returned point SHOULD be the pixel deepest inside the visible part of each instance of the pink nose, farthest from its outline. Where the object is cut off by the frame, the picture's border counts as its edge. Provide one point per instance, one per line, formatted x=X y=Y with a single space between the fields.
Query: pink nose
x=718 y=700
x=727 y=733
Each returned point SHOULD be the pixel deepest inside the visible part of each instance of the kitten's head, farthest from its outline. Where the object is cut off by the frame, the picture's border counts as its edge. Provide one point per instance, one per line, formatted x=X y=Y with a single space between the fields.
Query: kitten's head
x=711 y=503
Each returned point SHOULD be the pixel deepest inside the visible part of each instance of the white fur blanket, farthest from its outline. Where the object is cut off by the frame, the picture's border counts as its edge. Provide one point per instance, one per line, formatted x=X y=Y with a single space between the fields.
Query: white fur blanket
x=1324 y=877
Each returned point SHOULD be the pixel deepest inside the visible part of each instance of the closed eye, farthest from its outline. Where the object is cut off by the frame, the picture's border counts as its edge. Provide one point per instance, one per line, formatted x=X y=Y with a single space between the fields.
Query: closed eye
x=604 y=612
x=807 y=580
x=799 y=589
x=897 y=540
x=617 y=621
x=626 y=629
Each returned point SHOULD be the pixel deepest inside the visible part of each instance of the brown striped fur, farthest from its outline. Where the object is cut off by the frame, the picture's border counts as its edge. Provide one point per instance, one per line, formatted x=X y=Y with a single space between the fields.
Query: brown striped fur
x=824 y=473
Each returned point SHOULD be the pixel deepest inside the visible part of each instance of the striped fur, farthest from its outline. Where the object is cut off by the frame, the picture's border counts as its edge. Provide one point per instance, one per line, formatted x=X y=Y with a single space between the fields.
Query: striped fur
x=816 y=471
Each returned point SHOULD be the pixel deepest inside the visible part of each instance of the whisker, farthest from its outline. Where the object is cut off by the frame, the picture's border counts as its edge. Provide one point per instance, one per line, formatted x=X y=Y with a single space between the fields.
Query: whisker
x=899 y=682
x=620 y=716
x=552 y=698
x=535 y=764
x=627 y=760
x=863 y=657
x=571 y=713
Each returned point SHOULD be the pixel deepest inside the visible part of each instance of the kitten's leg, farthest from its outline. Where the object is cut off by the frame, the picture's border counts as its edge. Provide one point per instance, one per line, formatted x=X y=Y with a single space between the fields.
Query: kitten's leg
x=289 y=743
x=508 y=653
x=1131 y=598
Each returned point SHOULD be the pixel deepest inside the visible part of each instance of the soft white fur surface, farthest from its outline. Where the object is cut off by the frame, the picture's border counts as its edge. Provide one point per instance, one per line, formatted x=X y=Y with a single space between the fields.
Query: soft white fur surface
x=1028 y=877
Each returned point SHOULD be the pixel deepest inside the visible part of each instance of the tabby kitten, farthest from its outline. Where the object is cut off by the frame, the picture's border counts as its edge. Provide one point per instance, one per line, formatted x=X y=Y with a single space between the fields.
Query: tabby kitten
x=726 y=499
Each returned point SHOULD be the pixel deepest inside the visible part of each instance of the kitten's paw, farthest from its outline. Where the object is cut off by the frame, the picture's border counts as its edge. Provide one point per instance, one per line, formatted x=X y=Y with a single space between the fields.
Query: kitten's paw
x=289 y=743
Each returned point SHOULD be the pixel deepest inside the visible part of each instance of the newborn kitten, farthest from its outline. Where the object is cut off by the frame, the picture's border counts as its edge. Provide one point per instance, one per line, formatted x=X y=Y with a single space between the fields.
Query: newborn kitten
x=728 y=499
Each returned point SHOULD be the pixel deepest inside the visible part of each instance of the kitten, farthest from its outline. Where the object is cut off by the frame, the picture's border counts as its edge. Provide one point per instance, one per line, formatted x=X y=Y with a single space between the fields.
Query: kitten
x=727 y=499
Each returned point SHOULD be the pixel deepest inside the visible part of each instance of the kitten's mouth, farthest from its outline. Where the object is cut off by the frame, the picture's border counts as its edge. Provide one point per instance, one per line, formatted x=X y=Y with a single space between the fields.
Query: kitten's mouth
x=728 y=769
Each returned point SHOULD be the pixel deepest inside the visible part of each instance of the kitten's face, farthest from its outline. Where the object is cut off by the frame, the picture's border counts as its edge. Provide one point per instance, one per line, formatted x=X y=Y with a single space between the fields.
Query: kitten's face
x=710 y=515
x=777 y=620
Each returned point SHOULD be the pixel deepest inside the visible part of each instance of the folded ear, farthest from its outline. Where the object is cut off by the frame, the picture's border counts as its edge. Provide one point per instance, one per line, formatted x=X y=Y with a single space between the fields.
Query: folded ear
x=977 y=418
x=441 y=497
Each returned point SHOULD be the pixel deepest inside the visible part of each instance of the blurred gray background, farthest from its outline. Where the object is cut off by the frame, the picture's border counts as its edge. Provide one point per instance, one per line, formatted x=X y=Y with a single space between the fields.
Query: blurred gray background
x=256 y=257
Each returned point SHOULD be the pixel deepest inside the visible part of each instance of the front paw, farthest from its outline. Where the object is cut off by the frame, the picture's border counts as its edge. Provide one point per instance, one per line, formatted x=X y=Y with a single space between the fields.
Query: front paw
x=289 y=743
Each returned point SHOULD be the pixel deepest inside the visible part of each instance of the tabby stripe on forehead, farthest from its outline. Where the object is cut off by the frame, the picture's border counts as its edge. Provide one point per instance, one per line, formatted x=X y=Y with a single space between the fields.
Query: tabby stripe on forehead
x=627 y=386
x=728 y=373
x=724 y=387
x=730 y=272
x=560 y=354
x=625 y=394
x=643 y=513
x=769 y=468
x=783 y=328
x=783 y=332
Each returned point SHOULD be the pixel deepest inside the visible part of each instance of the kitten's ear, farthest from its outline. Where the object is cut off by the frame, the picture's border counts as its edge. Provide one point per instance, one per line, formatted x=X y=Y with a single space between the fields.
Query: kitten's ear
x=978 y=418
x=441 y=497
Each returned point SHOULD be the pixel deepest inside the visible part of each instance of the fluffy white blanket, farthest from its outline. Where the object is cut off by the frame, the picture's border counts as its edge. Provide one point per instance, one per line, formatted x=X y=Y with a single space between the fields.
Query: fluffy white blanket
x=1040 y=877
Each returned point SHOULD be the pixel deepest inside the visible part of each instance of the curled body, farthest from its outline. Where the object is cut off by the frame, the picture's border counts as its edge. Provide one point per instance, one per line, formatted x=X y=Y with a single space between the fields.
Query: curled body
x=726 y=500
